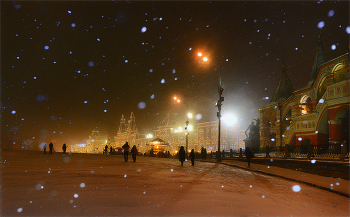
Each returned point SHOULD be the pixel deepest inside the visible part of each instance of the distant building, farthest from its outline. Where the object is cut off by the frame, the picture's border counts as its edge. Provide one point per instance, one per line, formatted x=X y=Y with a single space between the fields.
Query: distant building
x=128 y=132
x=208 y=137
x=94 y=144
x=317 y=114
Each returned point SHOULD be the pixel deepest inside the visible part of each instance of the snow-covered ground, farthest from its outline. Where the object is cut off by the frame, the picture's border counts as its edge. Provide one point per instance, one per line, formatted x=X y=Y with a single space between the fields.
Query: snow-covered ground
x=34 y=184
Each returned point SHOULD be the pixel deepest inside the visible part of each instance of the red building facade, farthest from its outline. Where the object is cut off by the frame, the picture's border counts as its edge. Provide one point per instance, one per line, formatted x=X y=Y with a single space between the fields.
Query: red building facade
x=317 y=114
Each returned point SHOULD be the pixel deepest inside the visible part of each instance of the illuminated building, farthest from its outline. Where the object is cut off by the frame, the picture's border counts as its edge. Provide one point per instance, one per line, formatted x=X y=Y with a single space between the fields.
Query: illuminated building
x=128 y=132
x=207 y=136
x=316 y=114
x=94 y=144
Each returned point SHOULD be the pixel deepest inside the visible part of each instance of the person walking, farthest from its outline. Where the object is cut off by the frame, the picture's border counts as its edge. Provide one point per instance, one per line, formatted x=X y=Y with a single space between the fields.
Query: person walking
x=126 y=151
x=64 y=148
x=248 y=155
x=192 y=157
x=51 y=147
x=106 y=148
x=182 y=155
x=134 y=153
x=45 y=146
x=110 y=150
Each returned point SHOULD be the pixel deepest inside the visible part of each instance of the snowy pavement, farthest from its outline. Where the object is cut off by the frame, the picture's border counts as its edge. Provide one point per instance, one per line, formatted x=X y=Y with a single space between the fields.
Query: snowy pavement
x=336 y=185
x=34 y=184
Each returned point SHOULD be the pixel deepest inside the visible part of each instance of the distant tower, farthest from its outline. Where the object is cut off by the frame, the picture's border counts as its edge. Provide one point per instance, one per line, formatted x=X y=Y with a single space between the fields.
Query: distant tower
x=320 y=58
x=95 y=135
x=284 y=88
x=131 y=122
x=122 y=127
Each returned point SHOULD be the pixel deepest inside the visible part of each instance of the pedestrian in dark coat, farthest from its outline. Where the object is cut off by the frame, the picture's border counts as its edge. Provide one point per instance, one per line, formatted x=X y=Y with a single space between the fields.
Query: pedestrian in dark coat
x=134 y=153
x=248 y=155
x=64 y=148
x=110 y=150
x=192 y=157
x=45 y=146
x=126 y=151
x=182 y=155
x=106 y=149
x=51 y=147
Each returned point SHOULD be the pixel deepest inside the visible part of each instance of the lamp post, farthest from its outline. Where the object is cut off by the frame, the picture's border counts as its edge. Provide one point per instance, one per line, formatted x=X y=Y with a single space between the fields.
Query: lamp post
x=218 y=104
x=187 y=122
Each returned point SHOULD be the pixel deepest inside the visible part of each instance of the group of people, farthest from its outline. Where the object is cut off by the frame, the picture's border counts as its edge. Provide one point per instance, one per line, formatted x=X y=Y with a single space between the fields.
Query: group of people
x=105 y=151
x=134 y=152
x=64 y=148
x=126 y=152
x=182 y=156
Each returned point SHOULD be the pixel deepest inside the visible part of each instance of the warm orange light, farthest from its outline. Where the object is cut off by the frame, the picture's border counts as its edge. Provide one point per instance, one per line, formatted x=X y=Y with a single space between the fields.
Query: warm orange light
x=175 y=97
x=178 y=100
x=200 y=54
x=205 y=59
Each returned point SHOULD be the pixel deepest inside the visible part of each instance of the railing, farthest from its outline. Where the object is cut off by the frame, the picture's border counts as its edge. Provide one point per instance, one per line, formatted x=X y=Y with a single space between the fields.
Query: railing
x=325 y=151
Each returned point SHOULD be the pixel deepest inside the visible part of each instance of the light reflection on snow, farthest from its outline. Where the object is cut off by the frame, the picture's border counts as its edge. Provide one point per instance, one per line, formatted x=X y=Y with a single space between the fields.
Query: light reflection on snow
x=82 y=185
x=20 y=209
x=76 y=195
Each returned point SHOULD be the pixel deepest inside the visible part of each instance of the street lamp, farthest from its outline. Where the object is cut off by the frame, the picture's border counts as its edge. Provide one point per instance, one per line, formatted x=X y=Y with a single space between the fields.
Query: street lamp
x=218 y=104
x=187 y=122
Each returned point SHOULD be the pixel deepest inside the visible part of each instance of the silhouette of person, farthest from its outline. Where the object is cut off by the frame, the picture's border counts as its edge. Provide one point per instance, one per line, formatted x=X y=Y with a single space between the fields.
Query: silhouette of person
x=51 y=147
x=134 y=153
x=45 y=146
x=248 y=155
x=106 y=148
x=64 y=148
x=126 y=151
x=192 y=157
x=202 y=153
x=110 y=150
x=182 y=155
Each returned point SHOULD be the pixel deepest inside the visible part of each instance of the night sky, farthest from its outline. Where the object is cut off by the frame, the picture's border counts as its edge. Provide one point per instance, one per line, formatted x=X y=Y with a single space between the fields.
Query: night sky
x=70 y=67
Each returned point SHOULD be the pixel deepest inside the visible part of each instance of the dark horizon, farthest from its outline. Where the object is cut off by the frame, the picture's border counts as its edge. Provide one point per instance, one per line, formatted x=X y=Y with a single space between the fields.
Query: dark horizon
x=70 y=67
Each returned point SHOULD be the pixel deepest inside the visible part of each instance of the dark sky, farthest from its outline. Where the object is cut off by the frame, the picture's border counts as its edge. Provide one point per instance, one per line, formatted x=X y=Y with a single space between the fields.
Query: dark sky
x=70 y=67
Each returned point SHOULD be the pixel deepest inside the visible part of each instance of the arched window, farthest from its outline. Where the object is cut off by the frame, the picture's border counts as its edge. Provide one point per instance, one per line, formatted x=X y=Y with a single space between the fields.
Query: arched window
x=306 y=106
x=339 y=73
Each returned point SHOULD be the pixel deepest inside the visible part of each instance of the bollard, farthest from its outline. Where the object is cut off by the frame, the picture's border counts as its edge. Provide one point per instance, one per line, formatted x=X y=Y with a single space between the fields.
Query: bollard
x=267 y=151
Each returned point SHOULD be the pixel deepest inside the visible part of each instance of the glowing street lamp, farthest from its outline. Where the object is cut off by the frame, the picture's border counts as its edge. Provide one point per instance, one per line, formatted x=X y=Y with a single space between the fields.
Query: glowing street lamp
x=189 y=115
x=218 y=104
